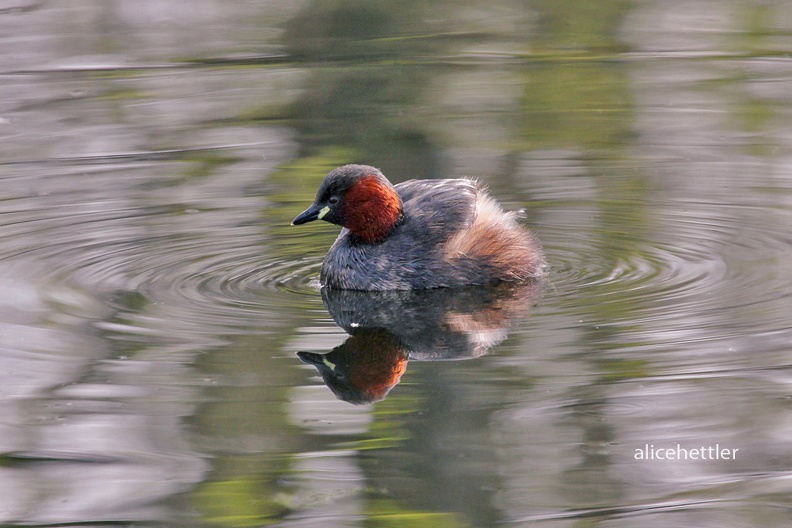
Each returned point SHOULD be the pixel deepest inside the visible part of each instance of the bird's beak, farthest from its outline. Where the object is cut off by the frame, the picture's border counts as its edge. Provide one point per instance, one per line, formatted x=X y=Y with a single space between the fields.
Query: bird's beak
x=309 y=215
x=317 y=360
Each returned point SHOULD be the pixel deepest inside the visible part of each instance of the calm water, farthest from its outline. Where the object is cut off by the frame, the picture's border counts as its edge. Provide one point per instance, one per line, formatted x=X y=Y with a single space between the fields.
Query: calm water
x=153 y=297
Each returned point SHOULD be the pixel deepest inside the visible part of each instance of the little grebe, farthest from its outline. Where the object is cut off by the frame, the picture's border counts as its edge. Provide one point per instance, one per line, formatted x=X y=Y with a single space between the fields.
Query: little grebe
x=418 y=234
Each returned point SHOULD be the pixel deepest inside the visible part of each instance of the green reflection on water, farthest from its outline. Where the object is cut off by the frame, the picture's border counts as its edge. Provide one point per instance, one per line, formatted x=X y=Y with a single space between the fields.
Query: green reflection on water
x=388 y=513
x=238 y=502
x=392 y=417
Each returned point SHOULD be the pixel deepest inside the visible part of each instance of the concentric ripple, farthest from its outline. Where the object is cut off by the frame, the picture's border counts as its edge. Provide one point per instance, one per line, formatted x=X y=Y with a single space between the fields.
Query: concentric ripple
x=206 y=271
x=243 y=283
x=689 y=265
x=235 y=287
x=669 y=265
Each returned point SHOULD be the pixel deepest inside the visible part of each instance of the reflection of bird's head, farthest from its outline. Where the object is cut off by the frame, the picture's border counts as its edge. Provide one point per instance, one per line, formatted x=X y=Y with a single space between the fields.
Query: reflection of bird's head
x=364 y=368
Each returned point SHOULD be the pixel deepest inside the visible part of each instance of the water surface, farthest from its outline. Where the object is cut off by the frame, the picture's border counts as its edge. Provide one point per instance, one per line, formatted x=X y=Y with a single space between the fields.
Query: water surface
x=153 y=297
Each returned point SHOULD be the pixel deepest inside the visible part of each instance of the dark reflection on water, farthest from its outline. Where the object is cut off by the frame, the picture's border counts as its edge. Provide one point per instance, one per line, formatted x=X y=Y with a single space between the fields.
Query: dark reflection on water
x=388 y=328
x=153 y=296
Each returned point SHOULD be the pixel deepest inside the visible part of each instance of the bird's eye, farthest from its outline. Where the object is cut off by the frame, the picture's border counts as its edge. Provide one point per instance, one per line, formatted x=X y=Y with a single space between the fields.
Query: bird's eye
x=333 y=200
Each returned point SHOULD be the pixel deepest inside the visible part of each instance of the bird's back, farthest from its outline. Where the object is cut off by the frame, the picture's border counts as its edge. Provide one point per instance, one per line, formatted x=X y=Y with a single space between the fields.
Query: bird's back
x=449 y=236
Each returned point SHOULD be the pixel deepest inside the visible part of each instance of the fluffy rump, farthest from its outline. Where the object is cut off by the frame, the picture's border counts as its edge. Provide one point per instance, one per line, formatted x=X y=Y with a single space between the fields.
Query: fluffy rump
x=495 y=245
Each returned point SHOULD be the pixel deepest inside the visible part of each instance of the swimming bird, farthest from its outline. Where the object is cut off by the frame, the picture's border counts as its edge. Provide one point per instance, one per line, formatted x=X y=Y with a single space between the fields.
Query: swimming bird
x=419 y=234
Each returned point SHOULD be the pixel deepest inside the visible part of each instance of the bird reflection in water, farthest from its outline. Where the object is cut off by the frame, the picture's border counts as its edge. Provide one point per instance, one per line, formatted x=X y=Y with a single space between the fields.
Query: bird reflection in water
x=386 y=329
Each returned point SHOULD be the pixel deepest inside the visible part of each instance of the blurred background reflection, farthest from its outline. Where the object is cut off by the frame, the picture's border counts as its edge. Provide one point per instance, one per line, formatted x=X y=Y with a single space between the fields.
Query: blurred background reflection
x=153 y=297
